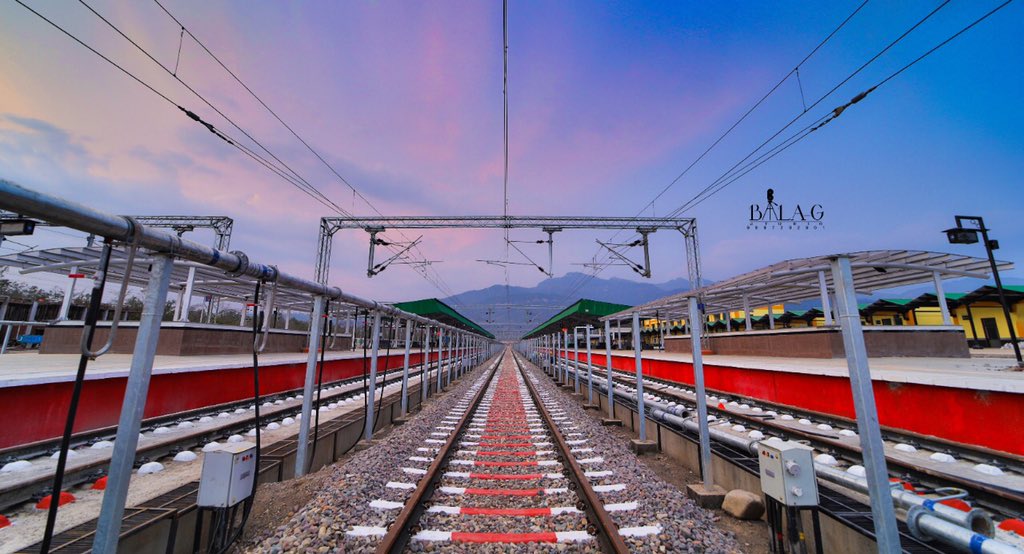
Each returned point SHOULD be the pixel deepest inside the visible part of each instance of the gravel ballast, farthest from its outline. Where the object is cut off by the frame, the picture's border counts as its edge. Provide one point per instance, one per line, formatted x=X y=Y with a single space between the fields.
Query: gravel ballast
x=363 y=496
x=344 y=502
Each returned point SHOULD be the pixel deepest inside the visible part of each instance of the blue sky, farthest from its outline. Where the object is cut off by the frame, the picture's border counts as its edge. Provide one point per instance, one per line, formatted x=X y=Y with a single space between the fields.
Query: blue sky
x=609 y=101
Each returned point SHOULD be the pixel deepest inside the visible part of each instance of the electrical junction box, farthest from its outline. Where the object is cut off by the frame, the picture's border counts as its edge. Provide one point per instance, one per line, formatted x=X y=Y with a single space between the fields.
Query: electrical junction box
x=787 y=472
x=227 y=475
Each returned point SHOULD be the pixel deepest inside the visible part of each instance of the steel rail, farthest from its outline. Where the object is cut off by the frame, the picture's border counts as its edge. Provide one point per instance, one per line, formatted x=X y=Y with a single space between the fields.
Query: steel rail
x=890 y=434
x=605 y=529
x=15 y=493
x=399 y=531
x=984 y=492
x=52 y=209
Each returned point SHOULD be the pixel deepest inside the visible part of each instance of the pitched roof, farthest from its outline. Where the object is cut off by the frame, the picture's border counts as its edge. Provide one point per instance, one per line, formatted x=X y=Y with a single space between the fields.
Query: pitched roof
x=435 y=309
x=583 y=310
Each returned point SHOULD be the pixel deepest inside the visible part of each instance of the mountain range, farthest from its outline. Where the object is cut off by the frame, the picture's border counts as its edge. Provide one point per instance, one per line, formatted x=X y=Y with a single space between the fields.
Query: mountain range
x=514 y=310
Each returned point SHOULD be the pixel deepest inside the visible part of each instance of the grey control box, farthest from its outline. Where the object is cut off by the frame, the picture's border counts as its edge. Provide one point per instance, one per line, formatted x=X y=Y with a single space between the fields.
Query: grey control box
x=787 y=472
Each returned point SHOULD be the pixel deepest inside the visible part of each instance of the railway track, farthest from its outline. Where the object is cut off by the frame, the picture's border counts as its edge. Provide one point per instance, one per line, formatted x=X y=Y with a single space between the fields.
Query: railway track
x=833 y=435
x=167 y=435
x=508 y=471
x=1000 y=493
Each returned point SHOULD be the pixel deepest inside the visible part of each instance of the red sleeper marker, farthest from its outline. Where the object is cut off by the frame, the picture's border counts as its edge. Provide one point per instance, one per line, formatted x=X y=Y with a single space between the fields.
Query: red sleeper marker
x=504 y=537
x=506 y=476
x=503 y=492
x=527 y=512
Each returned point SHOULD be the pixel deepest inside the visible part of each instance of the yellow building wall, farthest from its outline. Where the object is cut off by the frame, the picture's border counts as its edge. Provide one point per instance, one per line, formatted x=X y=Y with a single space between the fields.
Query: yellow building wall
x=930 y=316
x=995 y=311
x=877 y=317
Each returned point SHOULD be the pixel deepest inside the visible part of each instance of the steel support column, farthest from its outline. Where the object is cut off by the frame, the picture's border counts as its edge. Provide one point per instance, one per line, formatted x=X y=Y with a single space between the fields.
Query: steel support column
x=576 y=359
x=440 y=360
x=368 y=427
x=122 y=460
x=826 y=305
x=699 y=393
x=565 y=355
x=451 y=359
x=425 y=378
x=186 y=297
x=746 y=314
x=69 y=292
x=405 y=368
x=316 y=322
x=637 y=347
x=590 y=371
x=872 y=449
x=940 y=295
x=608 y=368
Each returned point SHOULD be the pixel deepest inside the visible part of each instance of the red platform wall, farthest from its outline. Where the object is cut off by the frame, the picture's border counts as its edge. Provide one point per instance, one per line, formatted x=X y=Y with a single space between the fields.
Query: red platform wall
x=42 y=409
x=985 y=418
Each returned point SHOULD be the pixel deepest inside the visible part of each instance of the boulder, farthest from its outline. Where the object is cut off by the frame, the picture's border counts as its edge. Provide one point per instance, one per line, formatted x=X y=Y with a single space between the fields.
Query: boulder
x=743 y=504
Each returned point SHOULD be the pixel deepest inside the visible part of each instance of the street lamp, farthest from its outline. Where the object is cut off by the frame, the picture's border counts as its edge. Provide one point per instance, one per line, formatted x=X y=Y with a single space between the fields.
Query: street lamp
x=969 y=235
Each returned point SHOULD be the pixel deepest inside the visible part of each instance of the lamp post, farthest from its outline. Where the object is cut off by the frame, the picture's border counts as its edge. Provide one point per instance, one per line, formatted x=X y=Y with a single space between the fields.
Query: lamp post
x=969 y=235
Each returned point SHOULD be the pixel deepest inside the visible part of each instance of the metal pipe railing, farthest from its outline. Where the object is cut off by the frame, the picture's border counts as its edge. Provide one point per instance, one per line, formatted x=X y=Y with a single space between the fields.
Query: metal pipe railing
x=971 y=530
x=26 y=202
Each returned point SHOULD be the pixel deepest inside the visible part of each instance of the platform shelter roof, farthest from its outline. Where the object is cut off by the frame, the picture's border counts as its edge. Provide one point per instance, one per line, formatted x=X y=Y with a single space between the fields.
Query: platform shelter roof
x=84 y=261
x=581 y=312
x=436 y=309
x=797 y=280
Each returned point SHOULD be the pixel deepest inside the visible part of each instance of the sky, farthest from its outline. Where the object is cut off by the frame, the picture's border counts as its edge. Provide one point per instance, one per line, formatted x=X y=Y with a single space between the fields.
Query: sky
x=608 y=103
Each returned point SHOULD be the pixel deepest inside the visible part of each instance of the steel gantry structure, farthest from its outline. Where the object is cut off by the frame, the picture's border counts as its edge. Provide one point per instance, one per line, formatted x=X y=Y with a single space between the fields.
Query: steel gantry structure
x=644 y=226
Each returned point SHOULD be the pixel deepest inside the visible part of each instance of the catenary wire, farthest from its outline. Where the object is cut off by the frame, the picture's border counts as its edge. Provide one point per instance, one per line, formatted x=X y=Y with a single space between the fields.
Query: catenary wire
x=290 y=175
x=714 y=185
x=305 y=143
x=585 y=278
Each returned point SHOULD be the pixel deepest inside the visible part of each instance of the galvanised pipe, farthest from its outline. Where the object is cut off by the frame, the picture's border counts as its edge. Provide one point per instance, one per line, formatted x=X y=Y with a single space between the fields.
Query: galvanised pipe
x=30 y=203
x=976 y=520
x=932 y=519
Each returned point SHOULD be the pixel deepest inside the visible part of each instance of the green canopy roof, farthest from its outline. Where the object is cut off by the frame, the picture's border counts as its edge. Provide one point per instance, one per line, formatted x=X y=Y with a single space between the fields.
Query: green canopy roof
x=583 y=311
x=435 y=309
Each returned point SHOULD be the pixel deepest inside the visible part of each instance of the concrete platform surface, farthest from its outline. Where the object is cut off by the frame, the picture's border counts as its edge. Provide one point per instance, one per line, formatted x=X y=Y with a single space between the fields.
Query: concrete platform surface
x=32 y=368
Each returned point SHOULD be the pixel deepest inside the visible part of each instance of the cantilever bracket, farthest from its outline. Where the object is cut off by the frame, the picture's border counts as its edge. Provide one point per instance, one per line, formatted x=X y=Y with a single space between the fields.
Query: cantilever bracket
x=643 y=269
x=375 y=269
x=373 y=247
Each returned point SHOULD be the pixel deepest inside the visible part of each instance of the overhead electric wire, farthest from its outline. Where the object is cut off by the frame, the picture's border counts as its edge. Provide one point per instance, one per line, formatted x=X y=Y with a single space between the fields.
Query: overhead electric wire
x=607 y=261
x=823 y=97
x=839 y=110
x=311 y=188
x=734 y=174
x=743 y=167
x=439 y=282
x=288 y=174
x=149 y=87
x=504 y=99
x=756 y=105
